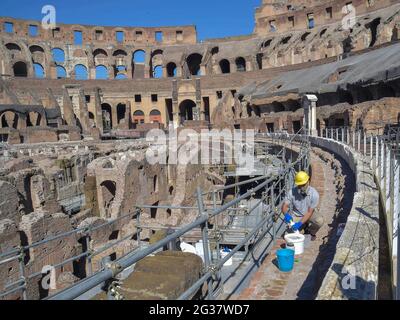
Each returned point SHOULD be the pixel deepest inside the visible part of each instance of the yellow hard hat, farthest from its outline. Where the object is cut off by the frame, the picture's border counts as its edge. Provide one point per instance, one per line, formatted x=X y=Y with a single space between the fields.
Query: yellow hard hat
x=301 y=178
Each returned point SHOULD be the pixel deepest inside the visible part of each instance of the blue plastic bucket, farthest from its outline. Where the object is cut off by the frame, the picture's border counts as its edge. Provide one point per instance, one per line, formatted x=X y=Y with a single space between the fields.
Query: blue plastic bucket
x=285 y=260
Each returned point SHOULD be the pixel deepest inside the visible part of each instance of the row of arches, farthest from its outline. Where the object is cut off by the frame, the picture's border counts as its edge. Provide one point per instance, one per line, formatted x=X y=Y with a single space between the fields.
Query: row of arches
x=11 y=119
x=138 y=117
x=139 y=57
x=240 y=63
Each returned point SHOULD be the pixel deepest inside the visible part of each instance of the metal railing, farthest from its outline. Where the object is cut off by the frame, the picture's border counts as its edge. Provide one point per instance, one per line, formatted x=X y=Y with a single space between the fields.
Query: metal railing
x=273 y=189
x=383 y=153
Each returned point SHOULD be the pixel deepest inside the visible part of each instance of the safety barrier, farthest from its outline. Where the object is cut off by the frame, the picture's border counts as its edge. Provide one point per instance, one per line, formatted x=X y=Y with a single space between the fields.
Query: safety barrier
x=383 y=159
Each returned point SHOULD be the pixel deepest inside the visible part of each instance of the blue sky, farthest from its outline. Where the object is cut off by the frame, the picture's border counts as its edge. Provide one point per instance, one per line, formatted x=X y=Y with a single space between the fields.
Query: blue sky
x=227 y=17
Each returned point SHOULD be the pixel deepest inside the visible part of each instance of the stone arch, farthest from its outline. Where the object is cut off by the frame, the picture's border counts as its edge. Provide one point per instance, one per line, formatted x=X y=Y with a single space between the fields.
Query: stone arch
x=81 y=72
x=108 y=191
x=33 y=119
x=157 y=72
x=20 y=69
x=172 y=69
x=120 y=53
x=139 y=56
x=225 y=66
x=106 y=116
x=138 y=117
x=9 y=119
x=39 y=70
x=138 y=64
x=121 y=112
x=240 y=64
x=61 y=72
x=373 y=27
x=100 y=53
x=92 y=121
x=58 y=55
x=35 y=49
x=194 y=61
x=155 y=116
x=101 y=72
x=13 y=47
x=186 y=110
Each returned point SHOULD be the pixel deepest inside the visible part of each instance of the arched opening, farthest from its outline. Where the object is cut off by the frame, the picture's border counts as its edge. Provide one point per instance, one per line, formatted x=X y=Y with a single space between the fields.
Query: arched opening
x=120 y=72
x=61 y=73
x=240 y=64
x=107 y=117
x=119 y=53
x=225 y=66
x=108 y=190
x=276 y=107
x=101 y=72
x=305 y=36
x=186 y=110
x=259 y=59
x=9 y=119
x=171 y=69
x=139 y=56
x=33 y=119
x=20 y=69
x=92 y=121
x=3 y=121
x=81 y=72
x=39 y=71
x=285 y=40
x=121 y=112
x=138 y=117
x=13 y=47
x=155 y=183
x=36 y=49
x=155 y=116
x=58 y=55
x=157 y=72
x=100 y=53
x=373 y=26
x=193 y=62
x=395 y=34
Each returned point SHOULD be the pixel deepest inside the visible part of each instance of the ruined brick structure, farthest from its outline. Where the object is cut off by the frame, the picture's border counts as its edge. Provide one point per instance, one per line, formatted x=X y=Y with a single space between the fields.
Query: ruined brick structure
x=191 y=77
x=56 y=112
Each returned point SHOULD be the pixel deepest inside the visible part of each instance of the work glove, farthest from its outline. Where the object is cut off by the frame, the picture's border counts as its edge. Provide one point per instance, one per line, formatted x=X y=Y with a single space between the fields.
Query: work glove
x=288 y=218
x=297 y=226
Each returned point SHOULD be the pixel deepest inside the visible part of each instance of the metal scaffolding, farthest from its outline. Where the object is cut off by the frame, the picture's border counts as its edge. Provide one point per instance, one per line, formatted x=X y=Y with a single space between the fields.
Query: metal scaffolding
x=248 y=224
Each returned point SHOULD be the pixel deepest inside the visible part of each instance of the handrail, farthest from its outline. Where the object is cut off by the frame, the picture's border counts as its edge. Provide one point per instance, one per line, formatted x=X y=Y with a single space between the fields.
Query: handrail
x=383 y=152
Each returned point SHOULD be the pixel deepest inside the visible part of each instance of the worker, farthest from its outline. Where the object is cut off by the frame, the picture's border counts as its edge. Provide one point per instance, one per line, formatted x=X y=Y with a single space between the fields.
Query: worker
x=303 y=201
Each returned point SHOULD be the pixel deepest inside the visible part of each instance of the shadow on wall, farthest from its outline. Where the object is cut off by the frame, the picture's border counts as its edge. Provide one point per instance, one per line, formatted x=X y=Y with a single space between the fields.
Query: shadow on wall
x=353 y=287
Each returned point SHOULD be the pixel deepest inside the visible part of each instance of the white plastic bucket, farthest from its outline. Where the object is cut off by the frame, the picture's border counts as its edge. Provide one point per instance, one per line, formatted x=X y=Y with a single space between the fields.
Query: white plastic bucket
x=298 y=240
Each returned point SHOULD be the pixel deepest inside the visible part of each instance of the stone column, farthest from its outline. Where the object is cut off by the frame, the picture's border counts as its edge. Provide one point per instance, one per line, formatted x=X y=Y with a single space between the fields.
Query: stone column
x=309 y=102
x=175 y=113
x=98 y=116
